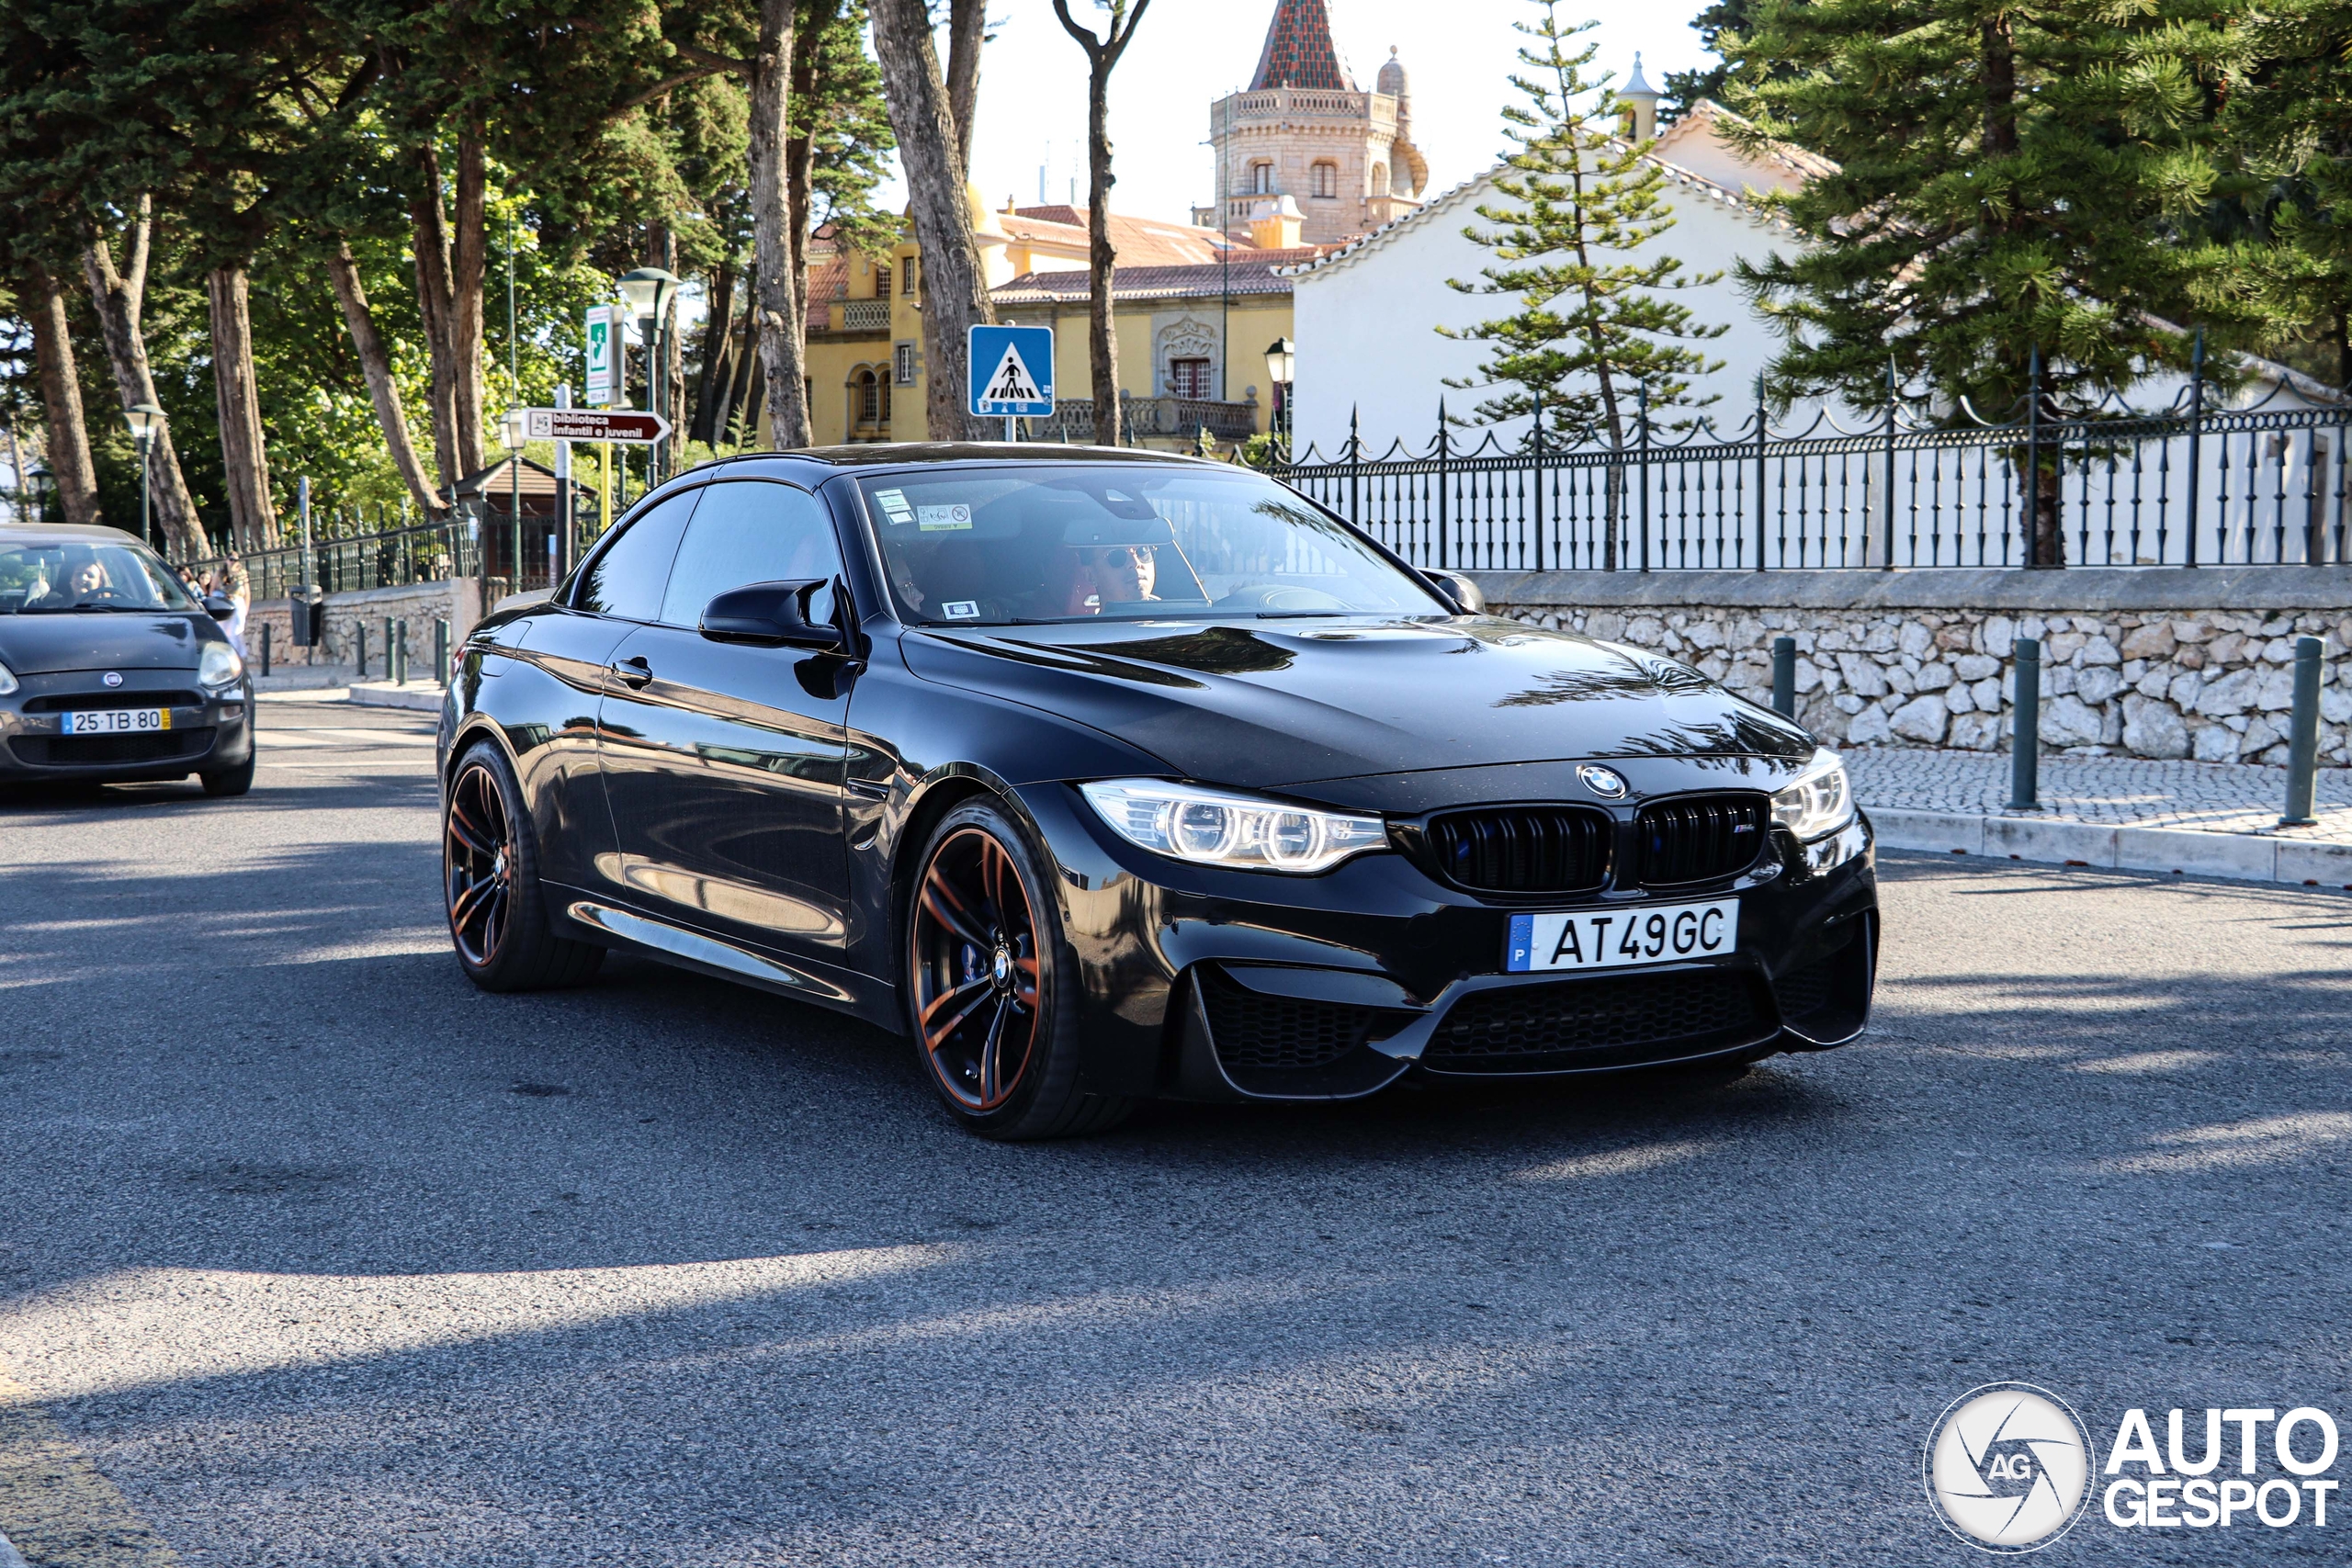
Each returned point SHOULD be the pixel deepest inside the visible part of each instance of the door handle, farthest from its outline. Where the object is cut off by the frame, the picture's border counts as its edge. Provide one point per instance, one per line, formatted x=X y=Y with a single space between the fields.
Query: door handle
x=634 y=673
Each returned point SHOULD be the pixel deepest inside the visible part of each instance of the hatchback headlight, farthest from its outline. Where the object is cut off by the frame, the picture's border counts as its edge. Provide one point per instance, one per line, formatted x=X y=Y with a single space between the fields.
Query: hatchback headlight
x=1210 y=827
x=1818 y=802
x=8 y=681
x=219 y=665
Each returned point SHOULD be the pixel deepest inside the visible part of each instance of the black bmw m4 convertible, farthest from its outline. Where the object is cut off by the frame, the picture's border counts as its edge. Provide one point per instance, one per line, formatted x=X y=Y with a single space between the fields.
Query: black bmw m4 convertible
x=1107 y=775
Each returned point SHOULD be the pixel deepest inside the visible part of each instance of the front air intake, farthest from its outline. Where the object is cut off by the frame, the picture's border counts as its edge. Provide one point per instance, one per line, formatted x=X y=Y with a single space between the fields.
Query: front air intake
x=1522 y=848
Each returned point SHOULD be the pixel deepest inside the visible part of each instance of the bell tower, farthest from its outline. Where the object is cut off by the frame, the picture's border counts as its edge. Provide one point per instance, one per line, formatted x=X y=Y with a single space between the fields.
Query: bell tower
x=1304 y=130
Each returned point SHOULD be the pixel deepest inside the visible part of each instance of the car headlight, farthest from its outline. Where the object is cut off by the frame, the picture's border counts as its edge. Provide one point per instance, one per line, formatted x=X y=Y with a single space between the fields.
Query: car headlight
x=1819 y=801
x=8 y=681
x=1210 y=827
x=219 y=665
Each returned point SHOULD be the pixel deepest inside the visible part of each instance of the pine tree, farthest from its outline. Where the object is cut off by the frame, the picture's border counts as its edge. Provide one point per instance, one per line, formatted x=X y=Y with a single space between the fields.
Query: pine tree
x=2288 y=120
x=1599 y=333
x=2015 y=187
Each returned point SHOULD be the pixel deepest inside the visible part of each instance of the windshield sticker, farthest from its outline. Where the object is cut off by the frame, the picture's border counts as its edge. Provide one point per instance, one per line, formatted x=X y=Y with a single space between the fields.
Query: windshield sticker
x=961 y=609
x=894 y=507
x=943 y=519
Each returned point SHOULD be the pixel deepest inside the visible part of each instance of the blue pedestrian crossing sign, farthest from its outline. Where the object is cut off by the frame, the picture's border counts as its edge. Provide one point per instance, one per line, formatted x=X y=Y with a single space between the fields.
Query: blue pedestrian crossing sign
x=1012 y=372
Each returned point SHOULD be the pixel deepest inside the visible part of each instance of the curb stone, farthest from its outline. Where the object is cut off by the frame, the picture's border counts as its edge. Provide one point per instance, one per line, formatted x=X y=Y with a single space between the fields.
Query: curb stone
x=423 y=696
x=2249 y=857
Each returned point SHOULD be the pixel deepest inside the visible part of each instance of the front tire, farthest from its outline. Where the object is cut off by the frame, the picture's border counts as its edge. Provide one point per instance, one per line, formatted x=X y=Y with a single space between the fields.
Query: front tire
x=226 y=782
x=490 y=878
x=992 y=986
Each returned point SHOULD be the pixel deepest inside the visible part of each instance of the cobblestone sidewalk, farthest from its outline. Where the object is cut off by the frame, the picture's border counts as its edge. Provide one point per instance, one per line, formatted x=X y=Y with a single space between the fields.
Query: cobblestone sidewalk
x=2213 y=798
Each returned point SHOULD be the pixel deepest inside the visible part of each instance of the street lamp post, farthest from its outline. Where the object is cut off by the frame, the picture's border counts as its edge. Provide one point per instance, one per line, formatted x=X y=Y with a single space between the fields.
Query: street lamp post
x=648 y=291
x=1282 y=362
x=146 y=422
x=511 y=436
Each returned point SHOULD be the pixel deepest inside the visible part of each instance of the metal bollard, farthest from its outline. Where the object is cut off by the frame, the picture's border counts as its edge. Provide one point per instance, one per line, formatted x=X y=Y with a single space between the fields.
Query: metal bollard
x=441 y=652
x=2025 y=735
x=389 y=644
x=2302 y=735
x=1784 y=675
x=265 y=648
x=400 y=652
x=359 y=647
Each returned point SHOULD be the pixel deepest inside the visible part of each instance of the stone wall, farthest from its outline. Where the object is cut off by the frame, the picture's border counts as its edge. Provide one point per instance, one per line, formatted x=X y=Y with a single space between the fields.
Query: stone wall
x=2164 y=663
x=456 y=600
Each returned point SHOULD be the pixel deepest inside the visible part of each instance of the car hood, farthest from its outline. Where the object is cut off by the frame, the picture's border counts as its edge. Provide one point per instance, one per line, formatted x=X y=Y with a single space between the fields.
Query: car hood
x=44 y=644
x=1269 y=704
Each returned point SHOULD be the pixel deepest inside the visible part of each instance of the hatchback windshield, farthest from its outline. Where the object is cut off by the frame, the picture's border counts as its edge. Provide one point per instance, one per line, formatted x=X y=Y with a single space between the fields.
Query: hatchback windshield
x=46 y=579
x=1126 y=542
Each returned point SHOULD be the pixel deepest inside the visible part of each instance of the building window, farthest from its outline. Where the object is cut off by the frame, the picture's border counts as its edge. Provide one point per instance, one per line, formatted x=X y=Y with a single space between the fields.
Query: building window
x=866 y=390
x=883 y=387
x=1323 y=179
x=1261 y=179
x=907 y=275
x=1380 y=179
x=882 y=278
x=902 y=364
x=1188 y=378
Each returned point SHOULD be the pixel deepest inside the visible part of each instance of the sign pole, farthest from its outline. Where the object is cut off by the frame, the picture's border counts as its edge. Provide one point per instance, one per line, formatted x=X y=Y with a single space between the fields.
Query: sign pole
x=561 y=548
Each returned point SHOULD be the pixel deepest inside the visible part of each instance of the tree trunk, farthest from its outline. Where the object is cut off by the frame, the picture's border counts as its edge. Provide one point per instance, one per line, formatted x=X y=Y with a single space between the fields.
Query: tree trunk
x=663 y=253
x=967 y=30
x=2049 y=516
x=954 y=289
x=776 y=285
x=717 y=322
x=60 y=400
x=469 y=257
x=120 y=296
x=1102 y=257
x=429 y=242
x=244 y=450
x=748 y=366
x=376 y=364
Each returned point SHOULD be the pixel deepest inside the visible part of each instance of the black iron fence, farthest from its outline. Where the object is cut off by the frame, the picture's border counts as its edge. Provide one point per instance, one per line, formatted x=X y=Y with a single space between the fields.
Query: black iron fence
x=2187 y=486
x=346 y=553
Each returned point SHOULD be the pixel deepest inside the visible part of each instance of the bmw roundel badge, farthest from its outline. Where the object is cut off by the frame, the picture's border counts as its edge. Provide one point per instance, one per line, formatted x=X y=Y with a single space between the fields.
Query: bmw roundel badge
x=1606 y=783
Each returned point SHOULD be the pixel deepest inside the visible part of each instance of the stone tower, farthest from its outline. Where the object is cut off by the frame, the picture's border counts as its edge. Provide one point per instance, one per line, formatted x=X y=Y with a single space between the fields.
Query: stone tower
x=1303 y=130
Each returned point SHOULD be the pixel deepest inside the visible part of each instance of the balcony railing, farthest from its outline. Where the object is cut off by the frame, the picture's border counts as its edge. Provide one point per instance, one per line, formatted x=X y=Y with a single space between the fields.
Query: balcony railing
x=1073 y=419
x=865 y=316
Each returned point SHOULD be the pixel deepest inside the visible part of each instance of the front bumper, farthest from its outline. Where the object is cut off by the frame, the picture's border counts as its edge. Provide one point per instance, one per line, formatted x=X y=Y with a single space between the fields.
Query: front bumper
x=1226 y=984
x=207 y=730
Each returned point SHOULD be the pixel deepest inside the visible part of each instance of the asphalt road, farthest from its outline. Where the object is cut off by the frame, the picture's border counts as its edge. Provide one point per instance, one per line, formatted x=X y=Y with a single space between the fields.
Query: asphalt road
x=310 y=1254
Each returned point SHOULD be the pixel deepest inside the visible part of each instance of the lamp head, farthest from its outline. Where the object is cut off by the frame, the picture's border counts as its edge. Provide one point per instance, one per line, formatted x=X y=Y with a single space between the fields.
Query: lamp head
x=510 y=430
x=1281 y=358
x=647 y=290
x=146 y=422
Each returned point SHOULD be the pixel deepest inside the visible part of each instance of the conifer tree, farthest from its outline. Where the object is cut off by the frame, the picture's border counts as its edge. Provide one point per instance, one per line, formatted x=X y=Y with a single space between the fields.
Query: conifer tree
x=2014 y=186
x=2288 y=120
x=1599 y=330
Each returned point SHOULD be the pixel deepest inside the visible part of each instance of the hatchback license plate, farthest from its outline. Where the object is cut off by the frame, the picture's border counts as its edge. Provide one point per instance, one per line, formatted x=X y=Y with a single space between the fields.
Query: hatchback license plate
x=115 y=721
x=1622 y=938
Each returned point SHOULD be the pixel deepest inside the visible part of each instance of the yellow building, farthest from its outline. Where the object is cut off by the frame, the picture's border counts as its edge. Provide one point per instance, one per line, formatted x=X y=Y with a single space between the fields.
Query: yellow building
x=1195 y=312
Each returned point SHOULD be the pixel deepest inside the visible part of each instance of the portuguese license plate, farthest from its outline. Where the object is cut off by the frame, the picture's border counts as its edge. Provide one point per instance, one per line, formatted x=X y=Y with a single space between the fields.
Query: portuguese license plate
x=115 y=721
x=1622 y=938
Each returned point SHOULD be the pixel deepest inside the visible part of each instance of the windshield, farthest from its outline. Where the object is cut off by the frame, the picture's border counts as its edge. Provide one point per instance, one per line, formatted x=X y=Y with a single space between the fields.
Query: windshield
x=998 y=546
x=52 y=579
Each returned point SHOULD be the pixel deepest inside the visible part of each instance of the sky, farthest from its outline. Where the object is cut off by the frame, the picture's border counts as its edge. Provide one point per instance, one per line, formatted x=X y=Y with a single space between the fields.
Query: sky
x=1459 y=54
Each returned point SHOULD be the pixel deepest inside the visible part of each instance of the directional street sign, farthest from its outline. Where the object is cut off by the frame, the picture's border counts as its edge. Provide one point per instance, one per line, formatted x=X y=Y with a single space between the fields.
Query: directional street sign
x=1012 y=372
x=593 y=424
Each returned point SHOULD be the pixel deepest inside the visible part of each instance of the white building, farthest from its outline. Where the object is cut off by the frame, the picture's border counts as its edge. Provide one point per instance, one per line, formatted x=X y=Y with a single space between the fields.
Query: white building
x=1368 y=314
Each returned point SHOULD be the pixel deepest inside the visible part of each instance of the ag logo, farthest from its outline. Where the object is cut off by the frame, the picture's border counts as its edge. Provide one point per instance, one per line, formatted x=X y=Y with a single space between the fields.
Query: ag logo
x=2007 y=1467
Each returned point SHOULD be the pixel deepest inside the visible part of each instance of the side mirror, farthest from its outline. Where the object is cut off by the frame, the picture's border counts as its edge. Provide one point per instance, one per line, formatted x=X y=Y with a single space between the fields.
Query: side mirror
x=218 y=606
x=1460 y=588
x=775 y=614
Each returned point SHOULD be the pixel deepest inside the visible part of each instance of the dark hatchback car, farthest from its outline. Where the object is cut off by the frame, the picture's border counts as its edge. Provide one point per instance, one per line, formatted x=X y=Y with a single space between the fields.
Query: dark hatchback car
x=110 y=672
x=1108 y=776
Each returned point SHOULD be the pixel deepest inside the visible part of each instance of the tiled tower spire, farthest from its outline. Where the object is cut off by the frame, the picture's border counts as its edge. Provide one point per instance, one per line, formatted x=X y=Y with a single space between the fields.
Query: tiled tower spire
x=1299 y=51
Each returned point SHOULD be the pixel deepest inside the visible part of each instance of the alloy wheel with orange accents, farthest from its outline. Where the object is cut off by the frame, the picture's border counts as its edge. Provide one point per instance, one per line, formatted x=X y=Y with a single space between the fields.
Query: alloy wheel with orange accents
x=973 y=944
